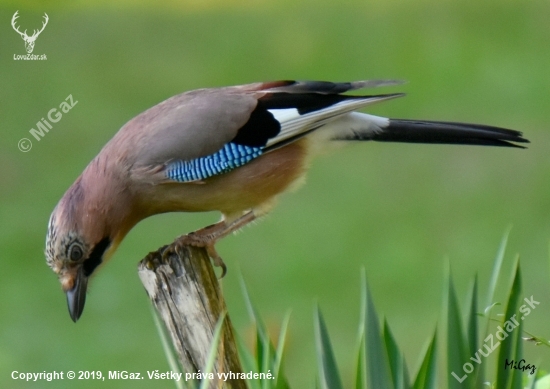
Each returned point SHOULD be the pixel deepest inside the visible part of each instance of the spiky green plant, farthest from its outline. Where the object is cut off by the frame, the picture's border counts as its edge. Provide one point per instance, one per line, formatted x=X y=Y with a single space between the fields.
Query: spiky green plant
x=380 y=363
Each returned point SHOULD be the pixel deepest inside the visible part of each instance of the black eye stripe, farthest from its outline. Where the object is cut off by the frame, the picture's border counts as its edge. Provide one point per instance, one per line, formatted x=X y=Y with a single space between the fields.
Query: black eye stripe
x=96 y=256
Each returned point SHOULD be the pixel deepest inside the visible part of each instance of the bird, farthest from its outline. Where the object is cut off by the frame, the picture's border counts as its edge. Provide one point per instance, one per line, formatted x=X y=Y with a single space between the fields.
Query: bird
x=229 y=149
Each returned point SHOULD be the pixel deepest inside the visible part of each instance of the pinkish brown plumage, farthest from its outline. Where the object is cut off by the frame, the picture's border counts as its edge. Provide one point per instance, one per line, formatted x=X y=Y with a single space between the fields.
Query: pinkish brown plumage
x=232 y=150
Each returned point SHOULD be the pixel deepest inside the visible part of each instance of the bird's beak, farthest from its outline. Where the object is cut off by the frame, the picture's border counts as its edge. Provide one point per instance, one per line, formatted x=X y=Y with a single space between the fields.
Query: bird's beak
x=76 y=297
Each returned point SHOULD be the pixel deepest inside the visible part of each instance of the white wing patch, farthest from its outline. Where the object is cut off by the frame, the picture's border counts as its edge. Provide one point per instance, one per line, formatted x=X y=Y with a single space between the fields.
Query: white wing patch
x=284 y=115
x=293 y=124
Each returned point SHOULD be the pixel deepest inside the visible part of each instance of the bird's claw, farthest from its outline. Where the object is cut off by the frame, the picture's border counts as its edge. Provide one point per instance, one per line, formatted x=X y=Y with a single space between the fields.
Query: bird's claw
x=196 y=240
x=218 y=261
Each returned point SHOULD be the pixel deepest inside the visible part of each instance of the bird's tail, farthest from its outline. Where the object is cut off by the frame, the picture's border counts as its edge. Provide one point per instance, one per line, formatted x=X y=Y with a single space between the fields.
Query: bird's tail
x=360 y=126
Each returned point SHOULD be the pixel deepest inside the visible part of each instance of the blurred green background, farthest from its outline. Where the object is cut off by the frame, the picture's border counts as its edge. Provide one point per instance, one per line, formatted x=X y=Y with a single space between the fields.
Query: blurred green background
x=401 y=211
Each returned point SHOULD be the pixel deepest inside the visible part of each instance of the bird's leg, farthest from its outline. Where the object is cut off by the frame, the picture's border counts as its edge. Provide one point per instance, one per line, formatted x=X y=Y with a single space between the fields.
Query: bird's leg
x=208 y=236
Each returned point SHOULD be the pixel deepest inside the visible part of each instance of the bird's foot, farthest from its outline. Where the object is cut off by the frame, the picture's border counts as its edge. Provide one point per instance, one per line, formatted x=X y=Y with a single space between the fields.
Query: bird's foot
x=196 y=239
x=208 y=236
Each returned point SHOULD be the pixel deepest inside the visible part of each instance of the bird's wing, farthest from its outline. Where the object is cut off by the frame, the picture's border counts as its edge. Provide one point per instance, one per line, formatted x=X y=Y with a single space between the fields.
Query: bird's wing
x=203 y=133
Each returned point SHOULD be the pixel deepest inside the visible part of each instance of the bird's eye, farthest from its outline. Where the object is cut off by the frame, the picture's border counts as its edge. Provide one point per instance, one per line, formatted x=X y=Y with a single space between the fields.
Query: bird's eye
x=75 y=252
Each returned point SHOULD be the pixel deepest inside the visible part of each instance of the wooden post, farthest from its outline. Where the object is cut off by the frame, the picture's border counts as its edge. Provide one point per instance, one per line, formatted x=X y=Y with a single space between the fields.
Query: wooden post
x=184 y=290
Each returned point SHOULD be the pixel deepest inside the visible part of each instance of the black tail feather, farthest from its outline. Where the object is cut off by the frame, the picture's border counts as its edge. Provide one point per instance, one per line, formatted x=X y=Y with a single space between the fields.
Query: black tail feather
x=420 y=131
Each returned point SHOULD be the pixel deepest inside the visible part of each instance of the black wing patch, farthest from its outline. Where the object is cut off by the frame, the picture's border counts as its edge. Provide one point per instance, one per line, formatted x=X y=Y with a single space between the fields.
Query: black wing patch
x=263 y=126
x=252 y=139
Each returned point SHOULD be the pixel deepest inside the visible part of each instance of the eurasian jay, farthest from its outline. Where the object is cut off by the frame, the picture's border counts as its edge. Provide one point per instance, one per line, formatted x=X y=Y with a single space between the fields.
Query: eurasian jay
x=233 y=150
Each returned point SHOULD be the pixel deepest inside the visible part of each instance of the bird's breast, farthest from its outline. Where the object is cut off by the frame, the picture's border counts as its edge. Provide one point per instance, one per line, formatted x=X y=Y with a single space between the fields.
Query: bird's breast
x=246 y=187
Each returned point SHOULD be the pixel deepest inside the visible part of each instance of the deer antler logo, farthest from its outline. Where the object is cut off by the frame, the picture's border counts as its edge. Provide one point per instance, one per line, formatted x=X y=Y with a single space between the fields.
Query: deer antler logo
x=29 y=40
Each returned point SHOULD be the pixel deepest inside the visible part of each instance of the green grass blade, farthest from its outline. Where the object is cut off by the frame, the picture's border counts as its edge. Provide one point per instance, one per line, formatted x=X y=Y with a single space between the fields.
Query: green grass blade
x=280 y=380
x=361 y=368
x=472 y=319
x=267 y=358
x=518 y=355
x=378 y=371
x=248 y=362
x=426 y=378
x=406 y=375
x=260 y=351
x=361 y=371
x=328 y=371
x=457 y=356
x=213 y=352
x=265 y=351
x=362 y=305
x=168 y=349
x=396 y=360
x=472 y=332
x=253 y=313
x=496 y=268
x=506 y=350
x=246 y=357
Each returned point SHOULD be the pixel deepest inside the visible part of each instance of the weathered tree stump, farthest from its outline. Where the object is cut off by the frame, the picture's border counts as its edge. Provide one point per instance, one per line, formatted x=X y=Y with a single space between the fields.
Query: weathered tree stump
x=185 y=292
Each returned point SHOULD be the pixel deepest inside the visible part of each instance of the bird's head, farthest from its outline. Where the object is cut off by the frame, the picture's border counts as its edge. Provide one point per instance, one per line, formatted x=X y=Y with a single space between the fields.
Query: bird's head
x=78 y=241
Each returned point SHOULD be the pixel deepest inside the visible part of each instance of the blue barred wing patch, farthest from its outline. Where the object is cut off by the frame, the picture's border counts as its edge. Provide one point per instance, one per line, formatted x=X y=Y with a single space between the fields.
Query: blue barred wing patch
x=228 y=158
